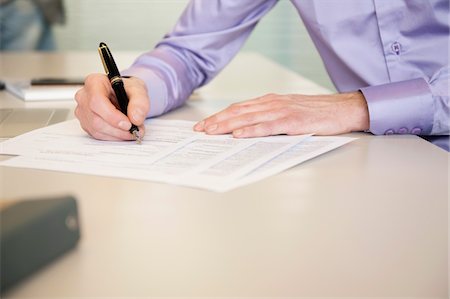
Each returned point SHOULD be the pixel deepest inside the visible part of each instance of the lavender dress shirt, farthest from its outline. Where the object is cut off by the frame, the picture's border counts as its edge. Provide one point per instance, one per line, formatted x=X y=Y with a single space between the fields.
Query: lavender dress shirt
x=395 y=51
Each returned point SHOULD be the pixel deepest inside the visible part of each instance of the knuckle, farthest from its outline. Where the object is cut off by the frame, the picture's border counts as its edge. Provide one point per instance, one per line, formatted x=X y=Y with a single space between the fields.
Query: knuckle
x=93 y=78
x=89 y=79
x=234 y=109
x=77 y=112
x=79 y=95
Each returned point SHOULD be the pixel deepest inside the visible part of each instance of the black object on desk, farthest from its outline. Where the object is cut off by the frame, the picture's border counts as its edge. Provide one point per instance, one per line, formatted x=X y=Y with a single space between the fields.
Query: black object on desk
x=57 y=81
x=33 y=233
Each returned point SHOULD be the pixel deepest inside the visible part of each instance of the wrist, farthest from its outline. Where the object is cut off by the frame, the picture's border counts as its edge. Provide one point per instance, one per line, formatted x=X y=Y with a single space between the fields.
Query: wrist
x=358 y=113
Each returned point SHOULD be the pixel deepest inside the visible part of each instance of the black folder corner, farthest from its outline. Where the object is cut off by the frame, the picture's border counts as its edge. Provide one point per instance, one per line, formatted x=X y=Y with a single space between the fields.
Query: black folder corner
x=33 y=233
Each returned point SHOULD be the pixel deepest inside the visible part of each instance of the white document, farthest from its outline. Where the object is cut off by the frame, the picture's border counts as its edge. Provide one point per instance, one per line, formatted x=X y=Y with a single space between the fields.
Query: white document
x=28 y=92
x=171 y=152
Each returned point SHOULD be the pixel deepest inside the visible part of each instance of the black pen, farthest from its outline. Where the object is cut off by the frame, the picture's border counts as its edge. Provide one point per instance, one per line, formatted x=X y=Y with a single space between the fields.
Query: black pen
x=117 y=84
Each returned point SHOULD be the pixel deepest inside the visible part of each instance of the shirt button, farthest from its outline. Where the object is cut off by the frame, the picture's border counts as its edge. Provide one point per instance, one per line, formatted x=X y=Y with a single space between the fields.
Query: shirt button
x=402 y=130
x=396 y=47
x=389 y=132
x=416 y=131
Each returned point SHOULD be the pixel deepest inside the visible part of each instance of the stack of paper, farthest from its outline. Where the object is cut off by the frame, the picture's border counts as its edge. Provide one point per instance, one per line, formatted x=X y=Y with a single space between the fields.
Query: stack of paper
x=171 y=152
x=28 y=92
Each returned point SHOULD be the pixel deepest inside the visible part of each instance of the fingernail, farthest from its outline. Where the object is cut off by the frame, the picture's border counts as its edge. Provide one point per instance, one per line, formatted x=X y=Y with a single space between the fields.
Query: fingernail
x=238 y=132
x=138 y=115
x=199 y=126
x=124 y=125
x=211 y=128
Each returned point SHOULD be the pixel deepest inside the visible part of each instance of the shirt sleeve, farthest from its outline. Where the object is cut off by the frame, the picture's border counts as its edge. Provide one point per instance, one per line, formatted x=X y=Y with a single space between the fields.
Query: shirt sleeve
x=418 y=106
x=206 y=37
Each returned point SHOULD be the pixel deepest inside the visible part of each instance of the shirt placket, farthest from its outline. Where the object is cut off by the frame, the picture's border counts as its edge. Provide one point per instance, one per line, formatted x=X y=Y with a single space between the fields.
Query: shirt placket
x=389 y=14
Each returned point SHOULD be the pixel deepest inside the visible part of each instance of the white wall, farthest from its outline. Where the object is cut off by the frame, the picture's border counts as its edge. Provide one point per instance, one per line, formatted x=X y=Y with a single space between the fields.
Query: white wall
x=139 y=24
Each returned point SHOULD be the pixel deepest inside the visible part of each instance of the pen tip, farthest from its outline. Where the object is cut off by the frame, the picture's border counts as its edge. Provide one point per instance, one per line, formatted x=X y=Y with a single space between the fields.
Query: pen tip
x=137 y=137
x=102 y=44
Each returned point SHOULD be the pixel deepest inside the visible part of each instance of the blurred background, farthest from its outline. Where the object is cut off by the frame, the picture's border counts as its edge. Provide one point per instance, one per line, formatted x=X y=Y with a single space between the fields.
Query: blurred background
x=68 y=25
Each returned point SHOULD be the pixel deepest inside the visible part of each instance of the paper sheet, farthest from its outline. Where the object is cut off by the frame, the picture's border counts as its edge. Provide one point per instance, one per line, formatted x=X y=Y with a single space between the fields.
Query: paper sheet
x=171 y=152
x=28 y=92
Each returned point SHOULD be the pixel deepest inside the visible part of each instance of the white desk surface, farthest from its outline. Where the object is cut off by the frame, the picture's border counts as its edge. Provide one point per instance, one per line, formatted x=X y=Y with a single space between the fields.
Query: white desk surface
x=369 y=219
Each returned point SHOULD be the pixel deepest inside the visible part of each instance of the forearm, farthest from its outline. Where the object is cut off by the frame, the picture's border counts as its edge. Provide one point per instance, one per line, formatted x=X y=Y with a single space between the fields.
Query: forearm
x=205 y=39
x=166 y=77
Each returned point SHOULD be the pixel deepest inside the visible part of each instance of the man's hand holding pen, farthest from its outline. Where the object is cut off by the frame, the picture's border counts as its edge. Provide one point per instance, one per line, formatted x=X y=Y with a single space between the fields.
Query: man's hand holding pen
x=98 y=108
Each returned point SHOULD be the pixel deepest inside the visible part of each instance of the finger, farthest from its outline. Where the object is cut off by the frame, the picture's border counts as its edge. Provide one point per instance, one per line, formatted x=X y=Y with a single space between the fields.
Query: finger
x=93 y=124
x=141 y=131
x=139 y=104
x=98 y=96
x=80 y=95
x=231 y=112
x=248 y=106
x=245 y=120
x=80 y=116
x=102 y=106
x=102 y=131
x=98 y=84
x=97 y=126
x=84 y=117
x=105 y=137
x=270 y=128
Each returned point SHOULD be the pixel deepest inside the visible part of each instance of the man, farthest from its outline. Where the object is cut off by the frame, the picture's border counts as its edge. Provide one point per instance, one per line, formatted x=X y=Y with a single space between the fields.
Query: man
x=388 y=59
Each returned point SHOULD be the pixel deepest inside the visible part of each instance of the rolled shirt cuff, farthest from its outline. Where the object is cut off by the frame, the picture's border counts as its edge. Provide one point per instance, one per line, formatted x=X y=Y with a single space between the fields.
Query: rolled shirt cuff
x=404 y=107
x=156 y=88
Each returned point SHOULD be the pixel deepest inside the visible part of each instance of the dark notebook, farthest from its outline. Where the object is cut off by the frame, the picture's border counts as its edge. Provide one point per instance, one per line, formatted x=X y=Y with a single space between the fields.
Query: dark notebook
x=33 y=233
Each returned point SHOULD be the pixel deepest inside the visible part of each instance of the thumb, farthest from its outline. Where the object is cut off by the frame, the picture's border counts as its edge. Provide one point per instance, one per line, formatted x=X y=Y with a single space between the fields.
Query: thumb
x=139 y=104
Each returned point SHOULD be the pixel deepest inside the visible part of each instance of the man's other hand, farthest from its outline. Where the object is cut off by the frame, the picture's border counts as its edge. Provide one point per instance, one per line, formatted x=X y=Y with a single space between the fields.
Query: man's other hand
x=292 y=114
